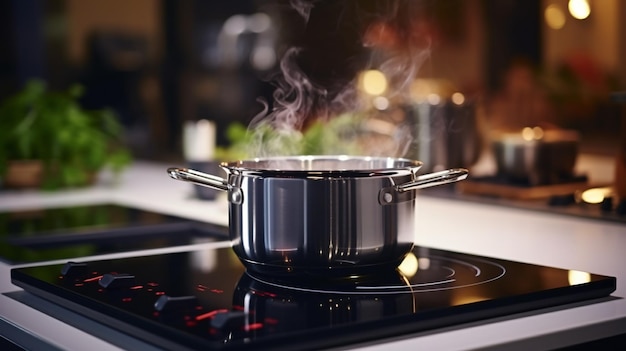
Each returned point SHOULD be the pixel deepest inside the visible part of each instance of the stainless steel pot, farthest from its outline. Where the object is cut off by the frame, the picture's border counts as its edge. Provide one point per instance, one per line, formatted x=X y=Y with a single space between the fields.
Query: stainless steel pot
x=321 y=214
x=447 y=134
x=549 y=158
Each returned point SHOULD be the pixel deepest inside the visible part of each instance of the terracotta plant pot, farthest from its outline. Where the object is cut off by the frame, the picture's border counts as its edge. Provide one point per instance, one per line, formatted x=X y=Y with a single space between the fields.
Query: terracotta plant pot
x=30 y=174
x=23 y=174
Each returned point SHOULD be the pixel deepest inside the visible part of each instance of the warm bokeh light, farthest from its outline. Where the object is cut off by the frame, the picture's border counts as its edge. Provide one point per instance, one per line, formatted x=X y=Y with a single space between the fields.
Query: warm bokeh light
x=409 y=265
x=433 y=99
x=595 y=195
x=458 y=98
x=373 y=82
x=578 y=277
x=554 y=16
x=527 y=134
x=381 y=103
x=579 y=9
x=535 y=133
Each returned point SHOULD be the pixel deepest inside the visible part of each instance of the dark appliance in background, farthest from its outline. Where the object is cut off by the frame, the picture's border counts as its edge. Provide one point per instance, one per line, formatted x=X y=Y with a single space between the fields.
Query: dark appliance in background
x=201 y=81
x=118 y=67
x=22 y=46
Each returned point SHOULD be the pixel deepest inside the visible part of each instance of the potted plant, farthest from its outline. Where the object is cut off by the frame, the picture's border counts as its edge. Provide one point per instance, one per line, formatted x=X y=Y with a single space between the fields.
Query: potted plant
x=48 y=140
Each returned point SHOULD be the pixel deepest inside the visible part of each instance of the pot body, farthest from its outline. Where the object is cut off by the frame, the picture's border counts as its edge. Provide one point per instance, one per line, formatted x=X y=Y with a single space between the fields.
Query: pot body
x=319 y=222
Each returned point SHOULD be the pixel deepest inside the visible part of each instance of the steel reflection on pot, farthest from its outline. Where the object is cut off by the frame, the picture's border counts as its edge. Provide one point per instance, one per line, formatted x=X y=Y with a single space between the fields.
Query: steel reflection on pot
x=294 y=310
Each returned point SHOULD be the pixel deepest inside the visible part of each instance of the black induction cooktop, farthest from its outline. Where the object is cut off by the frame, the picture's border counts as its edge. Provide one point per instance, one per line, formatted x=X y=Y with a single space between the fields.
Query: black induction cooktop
x=43 y=234
x=205 y=299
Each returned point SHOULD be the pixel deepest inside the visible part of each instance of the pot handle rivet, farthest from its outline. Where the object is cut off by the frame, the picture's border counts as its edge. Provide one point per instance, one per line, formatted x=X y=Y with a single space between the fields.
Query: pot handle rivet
x=236 y=196
x=387 y=197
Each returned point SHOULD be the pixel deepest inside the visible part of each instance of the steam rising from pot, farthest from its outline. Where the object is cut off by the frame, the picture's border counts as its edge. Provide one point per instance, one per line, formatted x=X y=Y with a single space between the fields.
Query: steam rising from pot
x=315 y=85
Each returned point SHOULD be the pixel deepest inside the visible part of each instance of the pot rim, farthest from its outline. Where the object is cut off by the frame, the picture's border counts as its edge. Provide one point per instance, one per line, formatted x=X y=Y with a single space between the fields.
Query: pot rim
x=323 y=166
x=549 y=136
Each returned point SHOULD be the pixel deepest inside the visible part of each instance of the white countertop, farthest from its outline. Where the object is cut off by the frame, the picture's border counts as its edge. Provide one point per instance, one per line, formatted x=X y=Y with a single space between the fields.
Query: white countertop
x=494 y=231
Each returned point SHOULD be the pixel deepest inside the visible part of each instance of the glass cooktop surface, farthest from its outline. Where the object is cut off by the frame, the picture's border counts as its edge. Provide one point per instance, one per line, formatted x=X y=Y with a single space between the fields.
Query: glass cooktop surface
x=205 y=299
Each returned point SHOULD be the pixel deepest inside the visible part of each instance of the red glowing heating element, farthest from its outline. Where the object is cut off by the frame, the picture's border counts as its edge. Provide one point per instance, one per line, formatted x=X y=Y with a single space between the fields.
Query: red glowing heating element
x=210 y=314
x=271 y=321
x=201 y=287
x=96 y=278
x=263 y=293
x=253 y=326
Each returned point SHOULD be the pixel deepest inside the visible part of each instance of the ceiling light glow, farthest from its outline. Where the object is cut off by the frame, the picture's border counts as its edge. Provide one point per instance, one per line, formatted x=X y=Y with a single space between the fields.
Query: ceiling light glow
x=579 y=9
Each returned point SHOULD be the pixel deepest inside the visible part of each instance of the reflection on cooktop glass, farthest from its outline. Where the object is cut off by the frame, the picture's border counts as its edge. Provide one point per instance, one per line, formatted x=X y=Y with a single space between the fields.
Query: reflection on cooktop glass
x=55 y=233
x=205 y=299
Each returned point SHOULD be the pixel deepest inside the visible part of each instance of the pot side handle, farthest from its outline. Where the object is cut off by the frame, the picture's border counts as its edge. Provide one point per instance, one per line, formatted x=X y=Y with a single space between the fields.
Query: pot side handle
x=398 y=193
x=199 y=178
x=433 y=179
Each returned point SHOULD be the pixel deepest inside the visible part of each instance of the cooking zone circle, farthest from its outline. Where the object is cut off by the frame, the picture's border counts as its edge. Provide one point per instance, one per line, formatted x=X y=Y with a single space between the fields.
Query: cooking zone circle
x=414 y=275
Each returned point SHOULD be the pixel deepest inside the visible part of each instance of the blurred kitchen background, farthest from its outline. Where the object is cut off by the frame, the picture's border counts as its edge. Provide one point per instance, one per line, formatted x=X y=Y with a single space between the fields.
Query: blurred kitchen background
x=159 y=63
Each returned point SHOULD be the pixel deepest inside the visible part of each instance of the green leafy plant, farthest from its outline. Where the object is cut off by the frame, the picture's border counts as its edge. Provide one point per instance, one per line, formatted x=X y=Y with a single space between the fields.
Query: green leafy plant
x=51 y=127
x=336 y=136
